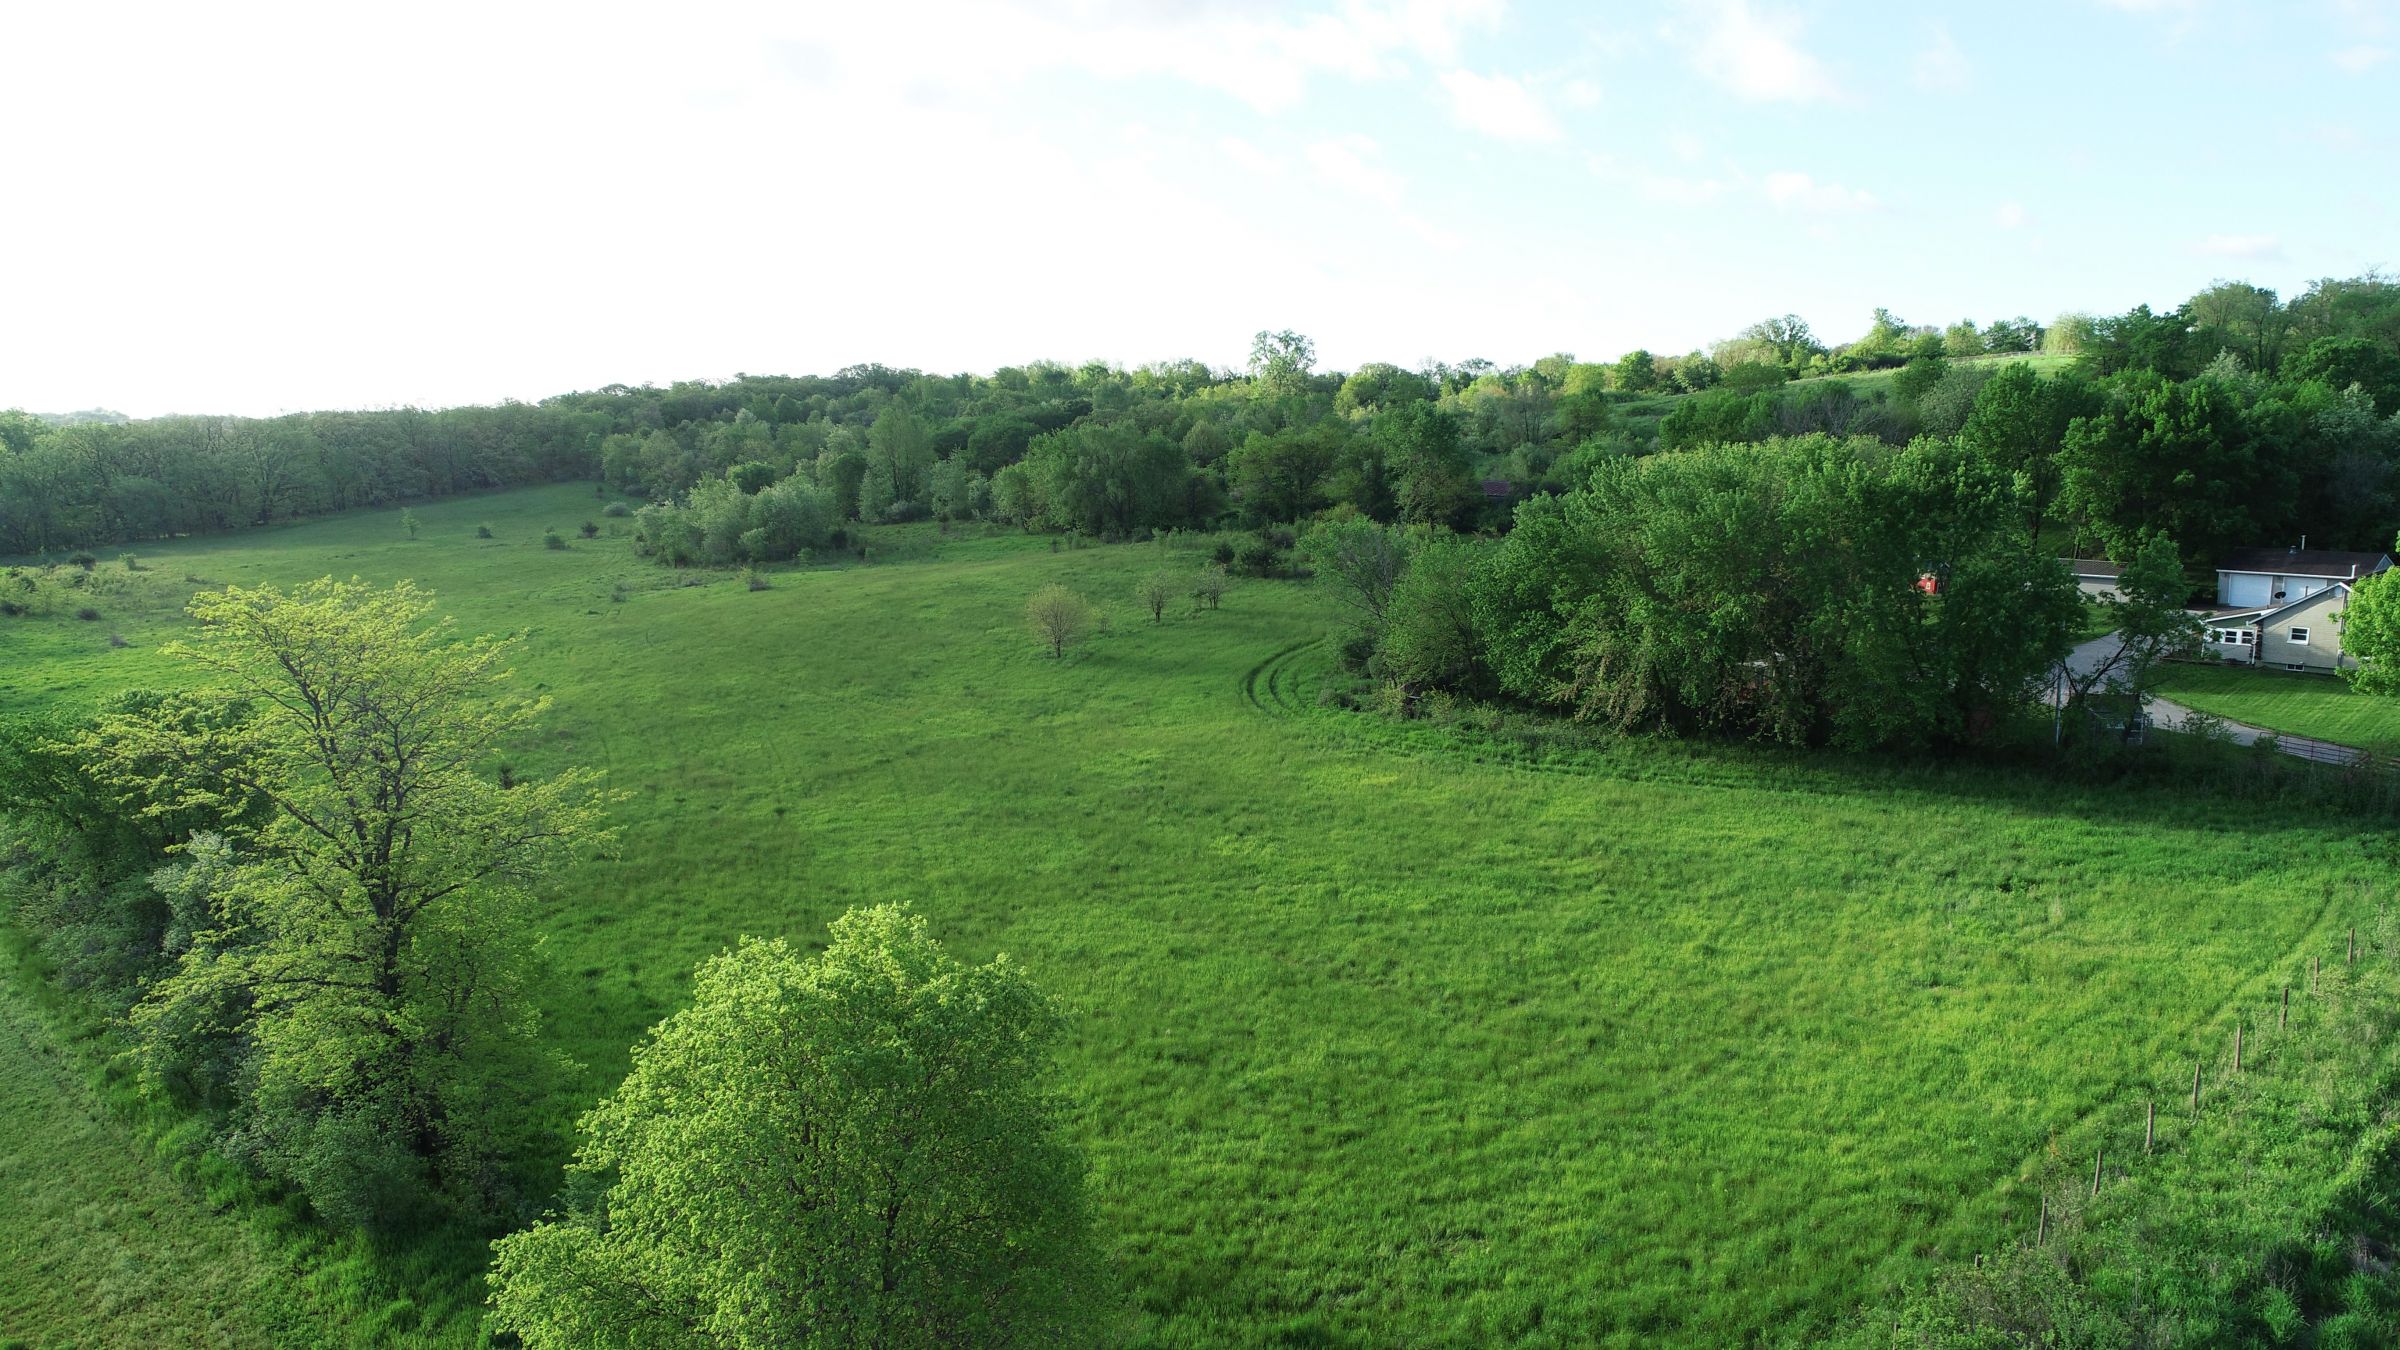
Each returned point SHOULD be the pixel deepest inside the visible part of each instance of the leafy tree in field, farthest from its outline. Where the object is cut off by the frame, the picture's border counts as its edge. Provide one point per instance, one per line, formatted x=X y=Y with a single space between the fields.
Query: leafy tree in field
x=1154 y=591
x=1210 y=587
x=1788 y=336
x=369 y=945
x=1110 y=481
x=408 y=522
x=1059 y=617
x=1428 y=630
x=1362 y=562
x=853 y=1149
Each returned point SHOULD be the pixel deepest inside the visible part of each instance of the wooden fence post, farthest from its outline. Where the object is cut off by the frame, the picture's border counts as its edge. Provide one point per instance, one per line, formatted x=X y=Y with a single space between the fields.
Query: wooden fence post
x=2041 y=1227
x=2284 y=1023
x=2149 y=1124
x=2237 y=1047
x=2316 y=966
x=2096 y=1156
x=2195 y=1085
x=2350 y=958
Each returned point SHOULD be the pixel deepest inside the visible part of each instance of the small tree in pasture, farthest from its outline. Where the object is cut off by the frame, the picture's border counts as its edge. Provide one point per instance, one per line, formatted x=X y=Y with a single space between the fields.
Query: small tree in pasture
x=1209 y=589
x=1155 y=591
x=1059 y=617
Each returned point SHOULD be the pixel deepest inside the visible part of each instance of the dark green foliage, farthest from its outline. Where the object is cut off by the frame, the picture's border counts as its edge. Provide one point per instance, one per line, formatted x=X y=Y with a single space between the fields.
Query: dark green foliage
x=553 y=539
x=2178 y=458
x=1801 y=591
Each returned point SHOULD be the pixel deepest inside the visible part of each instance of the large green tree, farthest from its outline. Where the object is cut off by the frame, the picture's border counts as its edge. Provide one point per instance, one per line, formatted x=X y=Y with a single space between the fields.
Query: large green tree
x=360 y=954
x=858 y=1148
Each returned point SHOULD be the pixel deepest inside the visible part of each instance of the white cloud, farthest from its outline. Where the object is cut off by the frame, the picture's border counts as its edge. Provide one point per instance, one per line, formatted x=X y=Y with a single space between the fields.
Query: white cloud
x=1941 y=67
x=2361 y=59
x=1350 y=163
x=1498 y=105
x=1794 y=191
x=2249 y=247
x=1755 y=54
x=1582 y=94
x=2010 y=216
x=1250 y=156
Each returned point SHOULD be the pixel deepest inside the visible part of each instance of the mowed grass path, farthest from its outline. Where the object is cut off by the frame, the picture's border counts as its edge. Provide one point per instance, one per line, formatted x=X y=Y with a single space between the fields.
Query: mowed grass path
x=1375 y=1044
x=2318 y=706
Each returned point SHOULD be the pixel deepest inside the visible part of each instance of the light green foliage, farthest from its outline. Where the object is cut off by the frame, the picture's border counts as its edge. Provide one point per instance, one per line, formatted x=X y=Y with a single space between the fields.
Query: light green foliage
x=369 y=953
x=1155 y=591
x=1428 y=634
x=408 y=522
x=859 y=1148
x=2371 y=633
x=1280 y=362
x=1361 y=562
x=1059 y=617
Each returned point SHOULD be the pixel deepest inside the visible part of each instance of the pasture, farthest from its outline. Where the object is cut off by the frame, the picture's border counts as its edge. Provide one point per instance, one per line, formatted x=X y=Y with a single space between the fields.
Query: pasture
x=1382 y=1036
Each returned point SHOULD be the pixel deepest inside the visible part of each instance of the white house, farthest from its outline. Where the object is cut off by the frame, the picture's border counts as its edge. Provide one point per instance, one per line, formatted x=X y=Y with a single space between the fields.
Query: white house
x=2266 y=577
x=2282 y=608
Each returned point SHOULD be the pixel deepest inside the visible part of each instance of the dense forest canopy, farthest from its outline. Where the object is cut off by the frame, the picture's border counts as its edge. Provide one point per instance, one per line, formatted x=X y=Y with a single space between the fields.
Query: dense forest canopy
x=2277 y=414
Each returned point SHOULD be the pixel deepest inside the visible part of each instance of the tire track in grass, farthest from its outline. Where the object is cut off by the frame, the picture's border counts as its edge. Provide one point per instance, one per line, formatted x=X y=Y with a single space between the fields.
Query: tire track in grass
x=1270 y=686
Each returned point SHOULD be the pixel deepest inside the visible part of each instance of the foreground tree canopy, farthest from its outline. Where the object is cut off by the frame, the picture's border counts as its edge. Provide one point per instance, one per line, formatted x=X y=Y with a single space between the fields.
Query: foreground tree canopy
x=858 y=1148
x=351 y=943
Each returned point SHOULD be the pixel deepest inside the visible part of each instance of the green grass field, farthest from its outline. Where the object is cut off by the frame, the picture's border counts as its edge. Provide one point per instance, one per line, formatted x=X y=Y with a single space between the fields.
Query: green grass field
x=99 y=1245
x=2318 y=706
x=1382 y=1036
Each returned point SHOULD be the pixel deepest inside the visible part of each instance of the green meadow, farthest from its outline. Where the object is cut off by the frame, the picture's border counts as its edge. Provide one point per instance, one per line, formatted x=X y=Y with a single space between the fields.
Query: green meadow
x=1383 y=1035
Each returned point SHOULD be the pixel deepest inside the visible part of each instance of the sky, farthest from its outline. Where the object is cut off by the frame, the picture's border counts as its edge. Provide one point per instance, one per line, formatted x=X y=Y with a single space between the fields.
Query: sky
x=253 y=209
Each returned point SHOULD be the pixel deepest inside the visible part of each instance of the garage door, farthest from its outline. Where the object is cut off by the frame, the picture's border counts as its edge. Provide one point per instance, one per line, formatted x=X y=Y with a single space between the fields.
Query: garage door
x=2243 y=588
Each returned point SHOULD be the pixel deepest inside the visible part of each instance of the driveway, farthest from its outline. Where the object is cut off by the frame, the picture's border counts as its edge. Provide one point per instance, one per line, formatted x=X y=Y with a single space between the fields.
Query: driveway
x=2171 y=716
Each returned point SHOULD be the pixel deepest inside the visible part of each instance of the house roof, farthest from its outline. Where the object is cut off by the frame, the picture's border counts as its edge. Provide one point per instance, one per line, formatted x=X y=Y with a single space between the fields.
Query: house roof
x=2294 y=562
x=2337 y=588
x=2091 y=567
x=2220 y=613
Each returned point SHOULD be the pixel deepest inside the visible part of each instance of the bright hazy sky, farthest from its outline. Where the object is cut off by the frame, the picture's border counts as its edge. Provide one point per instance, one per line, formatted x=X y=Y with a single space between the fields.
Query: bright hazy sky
x=239 y=208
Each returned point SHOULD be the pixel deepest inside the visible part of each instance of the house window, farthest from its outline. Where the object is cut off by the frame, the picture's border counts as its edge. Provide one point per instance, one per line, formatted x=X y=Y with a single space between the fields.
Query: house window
x=2293 y=665
x=2299 y=635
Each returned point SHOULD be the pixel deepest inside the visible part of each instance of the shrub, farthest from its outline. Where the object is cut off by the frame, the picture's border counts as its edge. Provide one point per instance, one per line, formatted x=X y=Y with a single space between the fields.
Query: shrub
x=408 y=521
x=118 y=640
x=1059 y=616
x=618 y=509
x=483 y=531
x=1223 y=554
x=553 y=539
x=88 y=614
x=755 y=581
x=83 y=560
x=11 y=609
x=590 y=529
x=1209 y=589
x=132 y=564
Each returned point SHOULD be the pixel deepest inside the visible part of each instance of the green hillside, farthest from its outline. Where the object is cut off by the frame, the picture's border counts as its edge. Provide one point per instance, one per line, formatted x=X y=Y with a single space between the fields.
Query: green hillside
x=1380 y=1038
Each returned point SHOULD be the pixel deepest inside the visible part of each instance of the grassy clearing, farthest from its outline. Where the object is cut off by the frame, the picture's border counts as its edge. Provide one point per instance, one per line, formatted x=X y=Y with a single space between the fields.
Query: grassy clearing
x=100 y=1246
x=2318 y=706
x=1382 y=1037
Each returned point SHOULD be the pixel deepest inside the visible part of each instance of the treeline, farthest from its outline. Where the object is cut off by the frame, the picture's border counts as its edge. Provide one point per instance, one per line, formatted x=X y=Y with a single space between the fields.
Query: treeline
x=2233 y=418
x=1808 y=590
